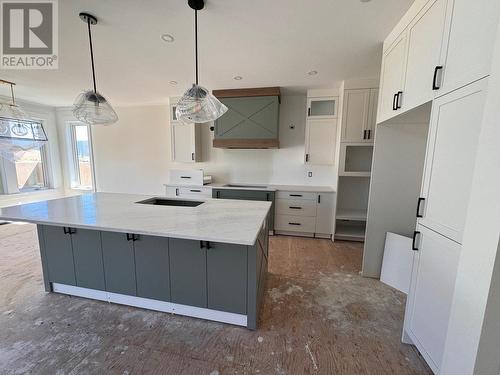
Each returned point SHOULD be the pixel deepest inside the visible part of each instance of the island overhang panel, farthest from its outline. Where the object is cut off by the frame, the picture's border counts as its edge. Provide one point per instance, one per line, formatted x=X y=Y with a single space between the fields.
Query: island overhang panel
x=89 y=249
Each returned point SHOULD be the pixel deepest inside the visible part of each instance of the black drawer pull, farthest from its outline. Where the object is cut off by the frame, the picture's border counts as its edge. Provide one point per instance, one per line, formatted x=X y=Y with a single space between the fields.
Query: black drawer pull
x=369 y=134
x=398 y=101
x=413 y=242
x=434 y=83
x=420 y=200
x=394 y=107
x=295 y=195
x=295 y=208
x=65 y=230
x=205 y=245
x=185 y=176
x=294 y=224
x=195 y=191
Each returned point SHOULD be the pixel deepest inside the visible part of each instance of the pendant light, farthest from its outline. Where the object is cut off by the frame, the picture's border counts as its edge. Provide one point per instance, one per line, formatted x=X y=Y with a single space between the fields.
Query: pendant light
x=11 y=110
x=197 y=104
x=90 y=106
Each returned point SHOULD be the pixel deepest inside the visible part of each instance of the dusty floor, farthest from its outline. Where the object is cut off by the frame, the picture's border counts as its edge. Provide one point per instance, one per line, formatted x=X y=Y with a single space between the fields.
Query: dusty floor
x=319 y=317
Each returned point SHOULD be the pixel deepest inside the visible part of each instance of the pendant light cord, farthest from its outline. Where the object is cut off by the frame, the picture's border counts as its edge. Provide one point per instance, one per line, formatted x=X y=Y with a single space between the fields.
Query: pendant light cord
x=91 y=55
x=196 y=42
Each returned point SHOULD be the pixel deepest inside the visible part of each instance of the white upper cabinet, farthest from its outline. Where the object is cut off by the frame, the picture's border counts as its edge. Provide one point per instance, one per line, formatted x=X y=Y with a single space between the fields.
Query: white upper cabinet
x=358 y=115
x=392 y=79
x=470 y=44
x=185 y=140
x=320 y=144
x=449 y=164
x=322 y=107
x=424 y=68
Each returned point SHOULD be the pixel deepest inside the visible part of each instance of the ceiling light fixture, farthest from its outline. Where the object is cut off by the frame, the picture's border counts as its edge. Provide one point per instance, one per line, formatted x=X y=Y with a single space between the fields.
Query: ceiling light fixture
x=238 y=78
x=173 y=82
x=312 y=72
x=197 y=104
x=91 y=107
x=167 y=38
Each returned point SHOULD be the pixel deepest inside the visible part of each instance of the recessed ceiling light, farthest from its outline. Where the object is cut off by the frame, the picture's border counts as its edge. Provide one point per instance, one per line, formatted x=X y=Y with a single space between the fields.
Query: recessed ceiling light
x=167 y=38
x=238 y=78
x=365 y=1
x=173 y=82
x=312 y=72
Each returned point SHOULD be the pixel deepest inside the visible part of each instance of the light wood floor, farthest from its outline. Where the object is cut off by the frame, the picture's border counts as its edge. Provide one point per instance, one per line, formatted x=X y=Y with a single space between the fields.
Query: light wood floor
x=319 y=317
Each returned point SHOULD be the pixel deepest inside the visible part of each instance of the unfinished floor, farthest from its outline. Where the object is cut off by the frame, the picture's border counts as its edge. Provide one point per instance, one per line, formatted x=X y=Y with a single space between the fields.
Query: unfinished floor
x=319 y=317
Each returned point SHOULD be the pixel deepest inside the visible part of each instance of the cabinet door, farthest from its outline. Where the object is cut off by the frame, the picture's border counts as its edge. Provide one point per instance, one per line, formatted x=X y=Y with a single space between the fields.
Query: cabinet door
x=152 y=267
x=372 y=115
x=324 y=214
x=183 y=143
x=393 y=70
x=322 y=108
x=119 y=263
x=470 y=43
x=227 y=277
x=431 y=293
x=249 y=118
x=449 y=163
x=188 y=272
x=355 y=115
x=321 y=136
x=87 y=253
x=425 y=36
x=59 y=255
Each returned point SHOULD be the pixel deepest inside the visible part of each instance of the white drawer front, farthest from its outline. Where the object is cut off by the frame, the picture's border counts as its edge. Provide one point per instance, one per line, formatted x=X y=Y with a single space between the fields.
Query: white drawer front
x=190 y=177
x=295 y=223
x=195 y=192
x=296 y=195
x=295 y=207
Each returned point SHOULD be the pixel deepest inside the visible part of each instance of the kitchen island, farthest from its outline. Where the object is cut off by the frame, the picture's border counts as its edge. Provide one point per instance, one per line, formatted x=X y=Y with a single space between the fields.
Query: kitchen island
x=204 y=258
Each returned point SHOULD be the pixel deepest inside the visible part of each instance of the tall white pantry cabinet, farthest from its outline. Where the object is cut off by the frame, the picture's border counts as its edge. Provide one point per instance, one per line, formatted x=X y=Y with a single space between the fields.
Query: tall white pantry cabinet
x=440 y=52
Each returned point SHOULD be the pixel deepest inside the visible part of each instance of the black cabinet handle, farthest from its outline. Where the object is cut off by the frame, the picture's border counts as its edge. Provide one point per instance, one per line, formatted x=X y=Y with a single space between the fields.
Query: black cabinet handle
x=65 y=230
x=413 y=242
x=369 y=134
x=205 y=245
x=420 y=200
x=398 y=101
x=130 y=237
x=294 y=224
x=295 y=195
x=176 y=191
x=295 y=208
x=307 y=157
x=394 y=107
x=308 y=112
x=434 y=78
x=218 y=194
x=185 y=176
x=319 y=198
x=195 y=191
x=364 y=134
x=192 y=156
x=69 y=230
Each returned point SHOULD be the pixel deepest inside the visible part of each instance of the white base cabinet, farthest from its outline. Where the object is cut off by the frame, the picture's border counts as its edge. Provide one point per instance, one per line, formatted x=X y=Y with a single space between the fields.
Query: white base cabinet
x=431 y=293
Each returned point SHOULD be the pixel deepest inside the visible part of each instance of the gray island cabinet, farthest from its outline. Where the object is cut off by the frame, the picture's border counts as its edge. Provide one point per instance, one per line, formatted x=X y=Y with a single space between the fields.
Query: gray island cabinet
x=209 y=279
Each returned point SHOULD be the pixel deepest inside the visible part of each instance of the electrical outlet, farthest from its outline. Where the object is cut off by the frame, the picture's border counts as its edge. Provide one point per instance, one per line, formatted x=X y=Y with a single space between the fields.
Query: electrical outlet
x=309 y=174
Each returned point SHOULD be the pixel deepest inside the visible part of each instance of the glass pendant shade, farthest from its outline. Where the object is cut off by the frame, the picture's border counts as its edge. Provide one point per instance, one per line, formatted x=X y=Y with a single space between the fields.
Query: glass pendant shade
x=12 y=111
x=19 y=136
x=199 y=106
x=92 y=108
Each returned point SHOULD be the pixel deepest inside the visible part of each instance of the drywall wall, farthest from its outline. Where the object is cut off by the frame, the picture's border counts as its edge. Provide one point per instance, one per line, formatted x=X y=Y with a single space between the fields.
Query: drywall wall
x=473 y=338
x=54 y=170
x=133 y=155
x=398 y=161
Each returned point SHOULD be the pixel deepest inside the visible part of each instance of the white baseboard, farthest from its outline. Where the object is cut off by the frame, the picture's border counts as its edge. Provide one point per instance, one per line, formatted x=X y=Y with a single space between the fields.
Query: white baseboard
x=151 y=304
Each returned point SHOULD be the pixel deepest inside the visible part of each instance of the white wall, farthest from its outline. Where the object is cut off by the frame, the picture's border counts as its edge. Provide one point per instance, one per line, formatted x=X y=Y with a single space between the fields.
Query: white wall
x=48 y=116
x=474 y=328
x=133 y=155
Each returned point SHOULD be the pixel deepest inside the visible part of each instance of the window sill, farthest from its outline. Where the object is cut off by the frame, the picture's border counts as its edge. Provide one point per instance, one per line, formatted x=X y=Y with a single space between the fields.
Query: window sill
x=82 y=188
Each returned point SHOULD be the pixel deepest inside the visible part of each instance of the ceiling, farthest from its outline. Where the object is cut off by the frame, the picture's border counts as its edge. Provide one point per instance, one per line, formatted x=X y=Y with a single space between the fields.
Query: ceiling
x=268 y=43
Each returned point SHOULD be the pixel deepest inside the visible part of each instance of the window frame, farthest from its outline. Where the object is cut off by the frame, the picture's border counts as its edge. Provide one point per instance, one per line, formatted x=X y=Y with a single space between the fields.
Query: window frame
x=75 y=178
x=46 y=180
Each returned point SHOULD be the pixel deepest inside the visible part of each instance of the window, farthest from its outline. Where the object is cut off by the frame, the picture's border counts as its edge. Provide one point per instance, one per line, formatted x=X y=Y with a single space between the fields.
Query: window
x=30 y=170
x=81 y=155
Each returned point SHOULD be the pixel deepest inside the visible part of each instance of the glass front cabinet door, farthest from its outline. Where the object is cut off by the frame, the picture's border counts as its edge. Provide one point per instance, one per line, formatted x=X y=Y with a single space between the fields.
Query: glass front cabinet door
x=322 y=108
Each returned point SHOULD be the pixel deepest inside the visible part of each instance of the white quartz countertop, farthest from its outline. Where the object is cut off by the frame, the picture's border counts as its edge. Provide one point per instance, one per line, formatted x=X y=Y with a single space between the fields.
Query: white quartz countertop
x=217 y=220
x=272 y=187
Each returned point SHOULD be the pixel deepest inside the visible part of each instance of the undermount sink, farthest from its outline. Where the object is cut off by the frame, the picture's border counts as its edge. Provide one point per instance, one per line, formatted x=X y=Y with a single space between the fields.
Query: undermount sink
x=170 y=202
x=246 y=186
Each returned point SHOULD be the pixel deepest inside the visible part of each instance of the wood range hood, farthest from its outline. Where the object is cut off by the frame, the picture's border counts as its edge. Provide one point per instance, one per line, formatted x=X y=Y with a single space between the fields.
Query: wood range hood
x=252 y=119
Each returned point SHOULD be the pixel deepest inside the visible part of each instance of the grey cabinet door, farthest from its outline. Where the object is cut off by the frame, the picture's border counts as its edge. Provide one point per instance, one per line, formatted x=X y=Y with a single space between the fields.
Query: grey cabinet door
x=59 y=255
x=152 y=267
x=87 y=254
x=119 y=263
x=249 y=118
x=188 y=272
x=227 y=277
